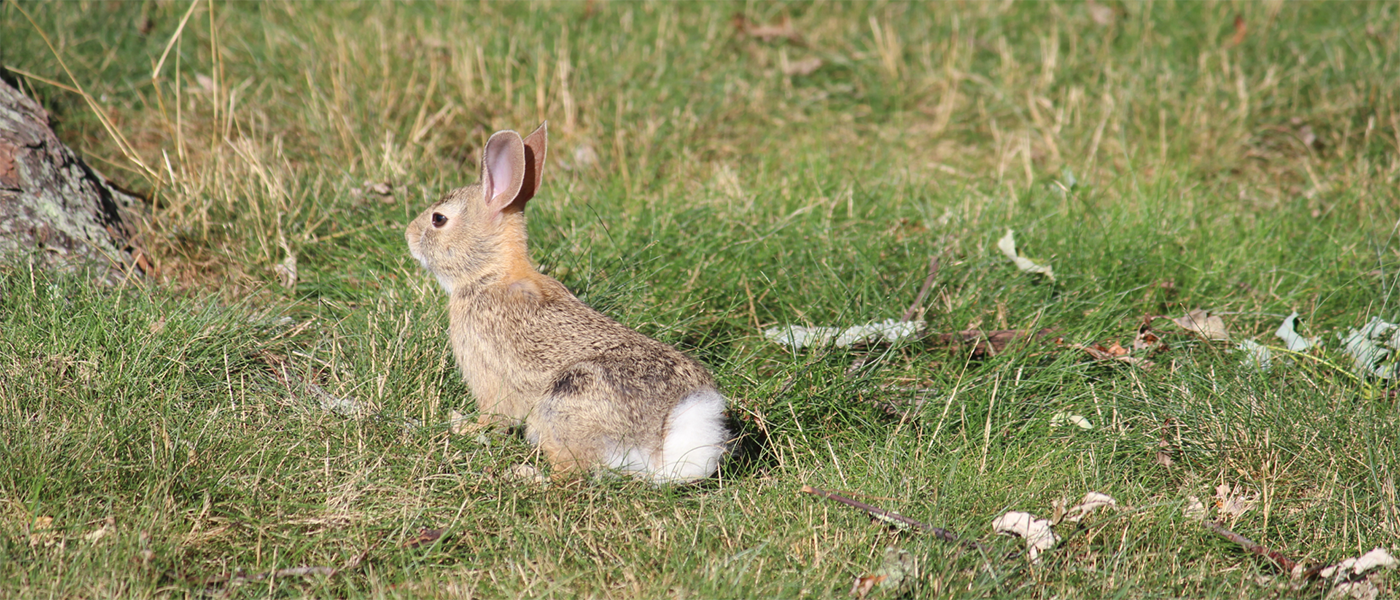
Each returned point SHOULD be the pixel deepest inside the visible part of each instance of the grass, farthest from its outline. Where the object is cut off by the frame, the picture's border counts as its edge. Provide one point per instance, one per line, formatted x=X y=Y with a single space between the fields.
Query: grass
x=699 y=194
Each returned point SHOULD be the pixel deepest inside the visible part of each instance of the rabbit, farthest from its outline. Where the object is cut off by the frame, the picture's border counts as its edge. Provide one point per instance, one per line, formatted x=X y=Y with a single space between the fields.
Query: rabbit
x=591 y=393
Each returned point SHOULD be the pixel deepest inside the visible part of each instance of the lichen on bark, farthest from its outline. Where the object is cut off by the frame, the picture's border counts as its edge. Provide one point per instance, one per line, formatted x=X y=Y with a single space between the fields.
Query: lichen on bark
x=55 y=209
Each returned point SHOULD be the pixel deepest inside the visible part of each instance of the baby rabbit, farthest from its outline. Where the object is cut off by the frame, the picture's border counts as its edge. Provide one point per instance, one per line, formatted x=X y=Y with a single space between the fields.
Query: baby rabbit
x=591 y=392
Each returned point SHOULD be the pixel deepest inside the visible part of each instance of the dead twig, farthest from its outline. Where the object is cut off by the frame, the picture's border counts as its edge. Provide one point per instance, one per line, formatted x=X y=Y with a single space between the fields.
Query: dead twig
x=923 y=291
x=1287 y=564
x=892 y=517
x=350 y=565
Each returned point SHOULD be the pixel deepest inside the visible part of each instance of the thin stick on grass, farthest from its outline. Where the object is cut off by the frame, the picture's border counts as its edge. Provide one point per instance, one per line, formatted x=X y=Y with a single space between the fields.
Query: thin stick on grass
x=349 y=565
x=1287 y=564
x=923 y=290
x=891 y=517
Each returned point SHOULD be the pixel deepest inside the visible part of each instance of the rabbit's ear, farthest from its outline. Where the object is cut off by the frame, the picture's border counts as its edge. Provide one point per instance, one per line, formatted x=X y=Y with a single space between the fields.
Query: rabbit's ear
x=502 y=169
x=534 y=165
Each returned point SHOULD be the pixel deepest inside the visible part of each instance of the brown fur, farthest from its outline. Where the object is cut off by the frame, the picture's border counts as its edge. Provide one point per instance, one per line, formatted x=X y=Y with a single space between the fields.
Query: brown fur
x=530 y=351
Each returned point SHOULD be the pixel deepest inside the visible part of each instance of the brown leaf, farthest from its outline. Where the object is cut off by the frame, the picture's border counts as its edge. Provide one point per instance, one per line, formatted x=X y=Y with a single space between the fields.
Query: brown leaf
x=1115 y=353
x=1147 y=340
x=42 y=532
x=863 y=585
x=425 y=536
x=1202 y=323
x=1240 y=31
x=1163 y=459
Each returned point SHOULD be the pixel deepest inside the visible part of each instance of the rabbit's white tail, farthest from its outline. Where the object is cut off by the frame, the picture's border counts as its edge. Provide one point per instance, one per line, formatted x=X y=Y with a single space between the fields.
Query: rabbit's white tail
x=695 y=439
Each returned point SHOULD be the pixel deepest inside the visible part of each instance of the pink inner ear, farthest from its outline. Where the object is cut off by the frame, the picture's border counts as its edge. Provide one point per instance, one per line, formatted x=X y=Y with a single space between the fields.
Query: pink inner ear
x=501 y=172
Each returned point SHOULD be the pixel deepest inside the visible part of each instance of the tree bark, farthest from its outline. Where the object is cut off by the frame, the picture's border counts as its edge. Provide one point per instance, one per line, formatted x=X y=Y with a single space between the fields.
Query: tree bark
x=55 y=209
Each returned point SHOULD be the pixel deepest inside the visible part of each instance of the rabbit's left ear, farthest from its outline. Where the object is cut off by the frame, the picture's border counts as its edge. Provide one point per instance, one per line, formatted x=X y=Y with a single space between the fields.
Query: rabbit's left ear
x=534 y=165
x=502 y=170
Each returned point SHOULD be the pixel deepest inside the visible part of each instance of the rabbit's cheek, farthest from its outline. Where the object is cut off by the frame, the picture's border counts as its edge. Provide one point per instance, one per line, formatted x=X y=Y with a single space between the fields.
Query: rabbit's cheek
x=445 y=282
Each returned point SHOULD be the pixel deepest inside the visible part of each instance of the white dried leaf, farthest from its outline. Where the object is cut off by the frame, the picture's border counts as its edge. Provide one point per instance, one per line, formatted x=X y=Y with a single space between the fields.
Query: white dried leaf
x=1092 y=501
x=287 y=271
x=1194 y=509
x=346 y=407
x=527 y=473
x=1060 y=419
x=458 y=423
x=1258 y=357
x=1291 y=338
x=1365 y=347
x=1354 y=590
x=1007 y=244
x=1375 y=559
x=806 y=66
x=1231 y=502
x=888 y=331
x=1203 y=323
x=96 y=535
x=1037 y=533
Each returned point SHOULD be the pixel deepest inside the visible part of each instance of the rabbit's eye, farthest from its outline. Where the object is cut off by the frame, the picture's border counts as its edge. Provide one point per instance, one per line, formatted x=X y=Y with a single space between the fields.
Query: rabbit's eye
x=439 y=219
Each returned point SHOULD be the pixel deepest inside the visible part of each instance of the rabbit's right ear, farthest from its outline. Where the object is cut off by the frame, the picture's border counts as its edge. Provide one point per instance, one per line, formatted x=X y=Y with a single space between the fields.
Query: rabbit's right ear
x=502 y=169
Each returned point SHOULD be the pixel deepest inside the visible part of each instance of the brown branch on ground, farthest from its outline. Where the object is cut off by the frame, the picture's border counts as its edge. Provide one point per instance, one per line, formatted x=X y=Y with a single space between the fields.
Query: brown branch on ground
x=349 y=565
x=892 y=517
x=1287 y=564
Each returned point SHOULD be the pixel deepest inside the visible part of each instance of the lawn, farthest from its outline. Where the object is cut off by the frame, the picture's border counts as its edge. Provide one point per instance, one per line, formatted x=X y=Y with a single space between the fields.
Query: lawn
x=280 y=393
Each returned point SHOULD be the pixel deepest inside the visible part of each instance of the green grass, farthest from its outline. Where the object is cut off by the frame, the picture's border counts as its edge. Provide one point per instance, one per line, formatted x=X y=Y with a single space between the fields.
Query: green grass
x=182 y=415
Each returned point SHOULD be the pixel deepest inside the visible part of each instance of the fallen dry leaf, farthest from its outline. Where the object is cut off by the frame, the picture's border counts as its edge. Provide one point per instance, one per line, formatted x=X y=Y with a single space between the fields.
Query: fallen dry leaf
x=527 y=473
x=1103 y=15
x=1372 y=347
x=898 y=569
x=1146 y=340
x=1092 y=501
x=1036 y=532
x=863 y=585
x=806 y=66
x=1350 y=577
x=424 y=537
x=1007 y=245
x=101 y=532
x=1231 y=502
x=1258 y=357
x=380 y=190
x=41 y=532
x=1163 y=458
x=1114 y=352
x=1240 y=31
x=782 y=29
x=459 y=424
x=1291 y=338
x=1194 y=509
x=1374 y=559
x=1060 y=419
x=1202 y=323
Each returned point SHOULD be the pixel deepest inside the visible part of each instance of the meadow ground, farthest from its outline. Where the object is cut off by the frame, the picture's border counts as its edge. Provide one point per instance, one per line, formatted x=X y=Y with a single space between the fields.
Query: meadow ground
x=711 y=177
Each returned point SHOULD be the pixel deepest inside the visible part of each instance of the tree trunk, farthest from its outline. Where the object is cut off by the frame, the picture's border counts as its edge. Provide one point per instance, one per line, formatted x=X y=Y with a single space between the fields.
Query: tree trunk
x=55 y=209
